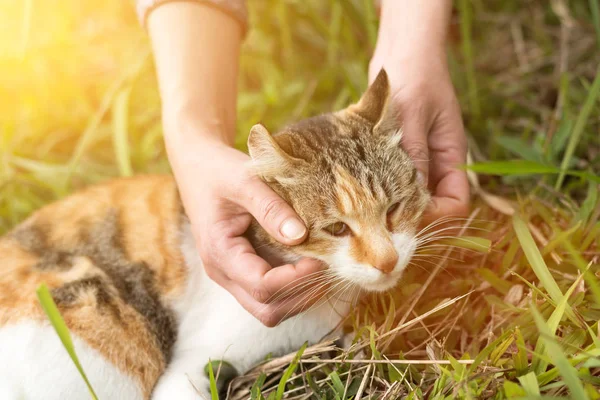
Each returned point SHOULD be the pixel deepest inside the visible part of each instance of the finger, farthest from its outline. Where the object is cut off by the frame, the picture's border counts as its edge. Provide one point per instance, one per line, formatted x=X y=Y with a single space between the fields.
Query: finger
x=451 y=186
x=284 y=278
x=227 y=255
x=414 y=143
x=273 y=213
x=240 y=264
x=272 y=314
x=451 y=196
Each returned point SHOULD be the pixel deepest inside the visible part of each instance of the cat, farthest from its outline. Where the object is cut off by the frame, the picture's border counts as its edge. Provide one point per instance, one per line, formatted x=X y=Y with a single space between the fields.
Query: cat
x=122 y=267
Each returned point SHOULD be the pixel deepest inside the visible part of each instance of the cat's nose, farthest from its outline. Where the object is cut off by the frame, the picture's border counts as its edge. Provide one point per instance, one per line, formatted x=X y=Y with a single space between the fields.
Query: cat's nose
x=387 y=264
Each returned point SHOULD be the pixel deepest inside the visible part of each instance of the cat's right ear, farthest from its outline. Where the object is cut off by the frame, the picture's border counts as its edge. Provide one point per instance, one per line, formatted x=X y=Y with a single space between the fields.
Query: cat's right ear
x=374 y=103
x=269 y=160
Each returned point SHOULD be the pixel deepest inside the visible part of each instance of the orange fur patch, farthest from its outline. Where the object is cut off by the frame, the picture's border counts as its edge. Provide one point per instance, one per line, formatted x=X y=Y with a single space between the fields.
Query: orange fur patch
x=374 y=247
x=149 y=219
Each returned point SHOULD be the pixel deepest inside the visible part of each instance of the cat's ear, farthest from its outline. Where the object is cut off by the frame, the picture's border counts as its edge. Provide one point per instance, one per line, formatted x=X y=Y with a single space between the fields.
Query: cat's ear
x=374 y=105
x=269 y=160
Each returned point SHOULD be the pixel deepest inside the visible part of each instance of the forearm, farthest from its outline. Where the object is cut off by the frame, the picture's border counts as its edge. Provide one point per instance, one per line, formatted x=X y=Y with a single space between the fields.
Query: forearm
x=409 y=28
x=196 y=51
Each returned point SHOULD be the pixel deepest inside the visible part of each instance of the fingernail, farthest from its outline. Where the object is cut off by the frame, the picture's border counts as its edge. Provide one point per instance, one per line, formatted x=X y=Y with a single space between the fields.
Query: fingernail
x=421 y=178
x=293 y=229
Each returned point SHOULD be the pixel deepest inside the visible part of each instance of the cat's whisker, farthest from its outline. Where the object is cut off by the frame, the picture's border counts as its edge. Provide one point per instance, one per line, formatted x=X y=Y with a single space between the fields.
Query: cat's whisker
x=319 y=303
x=429 y=262
x=433 y=264
x=283 y=298
x=454 y=227
x=446 y=237
x=434 y=251
x=313 y=289
x=438 y=257
x=302 y=280
x=289 y=292
x=433 y=233
x=339 y=295
x=289 y=288
x=427 y=256
x=437 y=222
x=299 y=303
x=307 y=297
x=444 y=220
x=418 y=266
x=448 y=219
x=294 y=292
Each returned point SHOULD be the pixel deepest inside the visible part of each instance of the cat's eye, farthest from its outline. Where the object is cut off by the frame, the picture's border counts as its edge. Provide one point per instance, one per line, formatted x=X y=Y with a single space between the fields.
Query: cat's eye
x=393 y=208
x=338 y=229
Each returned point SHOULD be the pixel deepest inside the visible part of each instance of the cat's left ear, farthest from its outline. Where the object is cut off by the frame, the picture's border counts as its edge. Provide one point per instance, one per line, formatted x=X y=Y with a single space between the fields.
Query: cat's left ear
x=269 y=160
x=374 y=105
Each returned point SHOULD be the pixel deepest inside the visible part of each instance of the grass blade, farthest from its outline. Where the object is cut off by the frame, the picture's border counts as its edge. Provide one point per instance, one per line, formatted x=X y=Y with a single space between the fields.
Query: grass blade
x=120 y=135
x=289 y=372
x=540 y=365
x=57 y=321
x=537 y=263
x=519 y=147
x=529 y=382
x=596 y=19
x=589 y=204
x=466 y=18
x=568 y=372
x=580 y=123
x=524 y=167
x=478 y=244
x=337 y=383
x=255 y=391
x=214 y=392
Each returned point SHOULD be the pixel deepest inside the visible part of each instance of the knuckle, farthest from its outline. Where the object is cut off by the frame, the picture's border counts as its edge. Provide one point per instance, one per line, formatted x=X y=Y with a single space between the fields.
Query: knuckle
x=418 y=152
x=260 y=294
x=268 y=318
x=462 y=209
x=210 y=271
x=270 y=208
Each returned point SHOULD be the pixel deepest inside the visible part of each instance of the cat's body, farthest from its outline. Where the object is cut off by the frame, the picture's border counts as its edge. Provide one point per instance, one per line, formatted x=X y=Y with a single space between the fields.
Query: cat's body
x=168 y=309
x=122 y=267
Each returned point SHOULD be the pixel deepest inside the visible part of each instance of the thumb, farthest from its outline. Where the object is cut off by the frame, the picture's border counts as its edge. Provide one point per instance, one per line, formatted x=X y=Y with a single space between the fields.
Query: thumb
x=414 y=143
x=274 y=214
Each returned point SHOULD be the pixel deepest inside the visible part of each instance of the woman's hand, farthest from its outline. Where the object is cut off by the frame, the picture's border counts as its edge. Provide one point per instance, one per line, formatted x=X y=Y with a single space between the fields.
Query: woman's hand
x=411 y=47
x=196 y=50
x=221 y=196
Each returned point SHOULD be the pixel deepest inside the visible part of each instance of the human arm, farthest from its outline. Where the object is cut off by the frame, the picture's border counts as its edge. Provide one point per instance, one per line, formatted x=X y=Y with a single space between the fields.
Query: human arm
x=411 y=46
x=196 y=50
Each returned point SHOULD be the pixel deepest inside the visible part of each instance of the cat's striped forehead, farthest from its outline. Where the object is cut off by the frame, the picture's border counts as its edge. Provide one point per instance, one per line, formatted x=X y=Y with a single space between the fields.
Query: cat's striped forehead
x=359 y=171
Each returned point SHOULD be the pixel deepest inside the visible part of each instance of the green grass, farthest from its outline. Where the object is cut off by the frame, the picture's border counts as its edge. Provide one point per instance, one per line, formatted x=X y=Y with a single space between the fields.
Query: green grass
x=57 y=321
x=80 y=104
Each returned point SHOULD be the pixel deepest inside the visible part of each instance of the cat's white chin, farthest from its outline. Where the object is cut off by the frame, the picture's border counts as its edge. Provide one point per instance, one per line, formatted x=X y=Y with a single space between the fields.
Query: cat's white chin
x=385 y=283
x=369 y=278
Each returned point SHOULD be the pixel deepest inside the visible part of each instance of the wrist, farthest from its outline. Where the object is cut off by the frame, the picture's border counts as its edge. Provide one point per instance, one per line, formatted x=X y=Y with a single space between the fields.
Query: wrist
x=413 y=31
x=190 y=135
x=197 y=122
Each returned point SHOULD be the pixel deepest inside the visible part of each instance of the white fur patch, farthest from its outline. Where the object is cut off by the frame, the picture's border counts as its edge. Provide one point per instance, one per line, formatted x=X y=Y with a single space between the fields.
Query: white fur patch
x=35 y=365
x=368 y=277
x=213 y=325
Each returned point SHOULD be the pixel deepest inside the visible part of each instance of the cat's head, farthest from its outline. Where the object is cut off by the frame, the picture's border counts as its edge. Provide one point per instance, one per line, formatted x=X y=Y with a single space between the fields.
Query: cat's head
x=357 y=191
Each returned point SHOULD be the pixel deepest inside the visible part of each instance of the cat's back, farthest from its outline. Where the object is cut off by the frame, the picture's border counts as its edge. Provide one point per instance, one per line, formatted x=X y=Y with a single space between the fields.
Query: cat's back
x=110 y=256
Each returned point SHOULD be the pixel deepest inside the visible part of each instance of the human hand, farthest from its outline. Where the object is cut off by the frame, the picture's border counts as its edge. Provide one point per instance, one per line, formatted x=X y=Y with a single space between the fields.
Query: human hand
x=221 y=196
x=423 y=96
